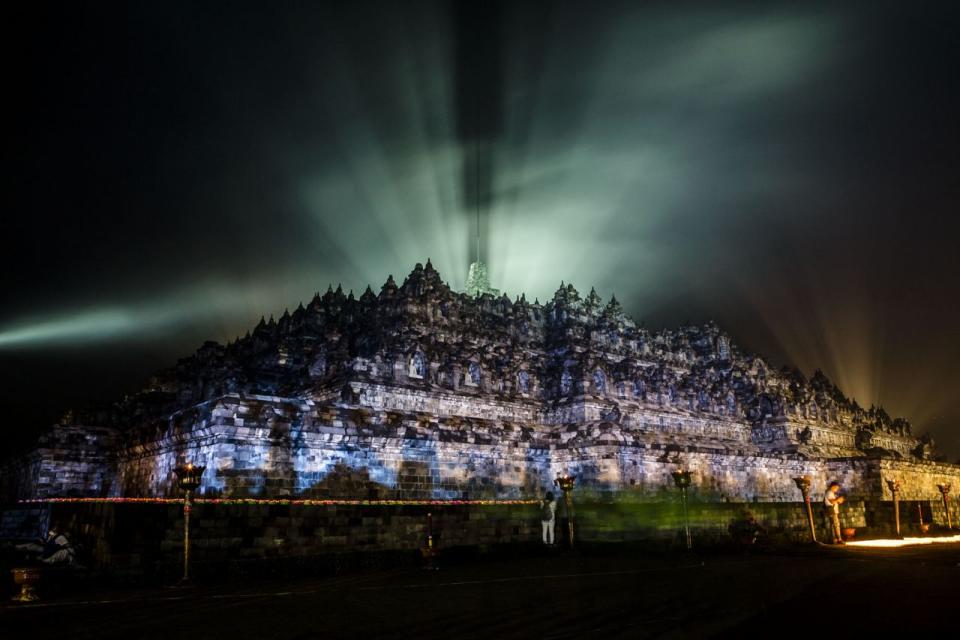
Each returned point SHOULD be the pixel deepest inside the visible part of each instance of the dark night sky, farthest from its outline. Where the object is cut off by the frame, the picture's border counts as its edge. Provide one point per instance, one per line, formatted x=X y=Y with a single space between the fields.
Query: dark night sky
x=788 y=170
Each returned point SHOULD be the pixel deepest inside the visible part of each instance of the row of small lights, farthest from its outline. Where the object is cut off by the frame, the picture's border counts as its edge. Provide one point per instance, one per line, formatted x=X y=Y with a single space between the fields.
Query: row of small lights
x=281 y=501
x=190 y=474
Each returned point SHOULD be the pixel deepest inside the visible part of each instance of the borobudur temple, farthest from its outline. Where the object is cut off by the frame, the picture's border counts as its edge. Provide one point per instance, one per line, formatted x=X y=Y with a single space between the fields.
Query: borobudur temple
x=422 y=392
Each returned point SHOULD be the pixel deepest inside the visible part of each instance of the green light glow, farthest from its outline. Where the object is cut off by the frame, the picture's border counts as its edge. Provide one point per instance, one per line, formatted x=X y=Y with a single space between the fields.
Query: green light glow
x=84 y=326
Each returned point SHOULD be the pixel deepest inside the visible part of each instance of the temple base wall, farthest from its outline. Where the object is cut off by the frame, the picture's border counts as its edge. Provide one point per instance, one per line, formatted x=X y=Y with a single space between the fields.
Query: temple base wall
x=265 y=447
x=424 y=459
x=147 y=539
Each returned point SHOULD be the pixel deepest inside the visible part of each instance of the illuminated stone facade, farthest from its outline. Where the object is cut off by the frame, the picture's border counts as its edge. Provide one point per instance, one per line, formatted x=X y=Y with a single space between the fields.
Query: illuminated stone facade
x=422 y=392
x=478 y=281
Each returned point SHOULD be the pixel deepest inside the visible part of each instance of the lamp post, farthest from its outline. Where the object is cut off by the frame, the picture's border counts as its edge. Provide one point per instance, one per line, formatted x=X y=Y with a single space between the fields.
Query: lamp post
x=944 y=492
x=566 y=483
x=681 y=478
x=895 y=490
x=428 y=551
x=189 y=476
x=803 y=483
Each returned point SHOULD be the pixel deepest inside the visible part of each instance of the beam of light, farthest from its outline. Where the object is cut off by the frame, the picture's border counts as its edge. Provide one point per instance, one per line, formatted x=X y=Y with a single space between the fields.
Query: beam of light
x=905 y=542
x=113 y=323
x=595 y=169
x=615 y=166
x=85 y=326
x=832 y=324
x=233 y=307
x=585 y=160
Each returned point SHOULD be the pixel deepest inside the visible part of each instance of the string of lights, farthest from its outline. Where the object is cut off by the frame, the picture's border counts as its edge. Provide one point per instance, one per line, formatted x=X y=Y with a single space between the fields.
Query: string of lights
x=281 y=502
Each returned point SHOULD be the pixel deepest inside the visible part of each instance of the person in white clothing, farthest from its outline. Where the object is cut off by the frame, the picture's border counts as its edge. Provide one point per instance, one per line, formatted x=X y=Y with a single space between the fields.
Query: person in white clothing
x=548 y=517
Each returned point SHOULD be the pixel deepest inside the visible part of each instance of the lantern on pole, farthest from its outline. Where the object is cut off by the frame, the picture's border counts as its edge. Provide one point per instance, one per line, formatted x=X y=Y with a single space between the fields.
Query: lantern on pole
x=803 y=483
x=895 y=490
x=944 y=492
x=428 y=551
x=565 y=483
x=189 y=477
x=681 y=478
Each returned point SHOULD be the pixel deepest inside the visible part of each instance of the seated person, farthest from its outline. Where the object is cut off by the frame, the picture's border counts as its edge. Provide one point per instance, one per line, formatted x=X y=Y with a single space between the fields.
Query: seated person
x=55 y=550
x=746 y=529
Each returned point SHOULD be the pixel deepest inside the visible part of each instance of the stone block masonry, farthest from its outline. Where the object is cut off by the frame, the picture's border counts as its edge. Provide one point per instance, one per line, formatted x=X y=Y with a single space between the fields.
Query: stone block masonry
x=146 y=539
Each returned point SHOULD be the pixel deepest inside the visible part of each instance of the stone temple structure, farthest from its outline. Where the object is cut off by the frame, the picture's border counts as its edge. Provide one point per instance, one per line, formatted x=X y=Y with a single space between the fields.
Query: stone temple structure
x=478 y=281
x=422 y=392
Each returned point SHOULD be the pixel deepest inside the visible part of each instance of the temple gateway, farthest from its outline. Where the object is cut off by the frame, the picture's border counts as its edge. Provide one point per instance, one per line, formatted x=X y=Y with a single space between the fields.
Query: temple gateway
x=422 y=392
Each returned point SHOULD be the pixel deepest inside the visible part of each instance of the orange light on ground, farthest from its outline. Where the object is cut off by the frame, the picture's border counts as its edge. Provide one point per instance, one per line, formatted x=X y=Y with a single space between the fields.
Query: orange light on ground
x=903 y=543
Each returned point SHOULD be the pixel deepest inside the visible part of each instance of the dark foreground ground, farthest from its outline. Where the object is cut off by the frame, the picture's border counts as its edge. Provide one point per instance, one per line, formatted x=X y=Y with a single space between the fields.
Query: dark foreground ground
x=611 y=594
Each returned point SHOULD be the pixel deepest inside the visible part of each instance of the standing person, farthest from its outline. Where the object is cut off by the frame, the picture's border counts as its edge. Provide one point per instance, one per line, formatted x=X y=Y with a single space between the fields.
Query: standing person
x=548 y=517
x=831 y=508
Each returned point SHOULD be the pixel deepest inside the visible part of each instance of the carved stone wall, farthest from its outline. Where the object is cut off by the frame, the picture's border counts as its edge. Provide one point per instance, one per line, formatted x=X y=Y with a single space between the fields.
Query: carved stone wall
x=271 y=447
